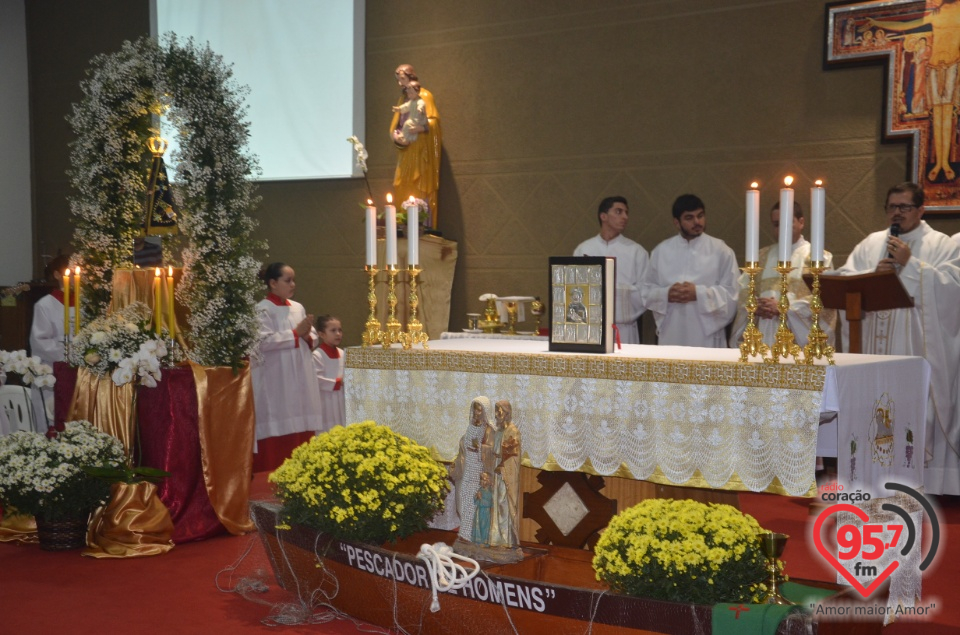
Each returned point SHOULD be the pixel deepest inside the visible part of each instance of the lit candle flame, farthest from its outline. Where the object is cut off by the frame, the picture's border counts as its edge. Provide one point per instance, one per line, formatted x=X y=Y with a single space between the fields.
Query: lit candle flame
x=389 y=198
x=754 y=185
x=788 y=181
x=818 y=183
x=369 y=203
x=76 y=271
x=411 y=200
x=157 y=272
x=170 y=271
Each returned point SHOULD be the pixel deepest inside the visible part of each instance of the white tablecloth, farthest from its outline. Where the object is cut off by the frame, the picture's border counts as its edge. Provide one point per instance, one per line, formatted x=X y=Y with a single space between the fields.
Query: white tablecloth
x=677 y=415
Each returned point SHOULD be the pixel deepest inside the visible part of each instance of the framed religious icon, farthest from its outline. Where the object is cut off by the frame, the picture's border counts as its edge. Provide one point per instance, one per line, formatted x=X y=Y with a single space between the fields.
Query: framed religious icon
x=582 y=304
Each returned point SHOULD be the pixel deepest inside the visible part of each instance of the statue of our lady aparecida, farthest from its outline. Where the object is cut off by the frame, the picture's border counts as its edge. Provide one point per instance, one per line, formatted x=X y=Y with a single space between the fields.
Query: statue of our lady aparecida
x=486 y=473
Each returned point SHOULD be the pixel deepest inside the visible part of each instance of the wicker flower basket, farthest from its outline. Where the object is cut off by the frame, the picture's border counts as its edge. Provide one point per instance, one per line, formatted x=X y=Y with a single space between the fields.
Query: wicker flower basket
x=64 y=534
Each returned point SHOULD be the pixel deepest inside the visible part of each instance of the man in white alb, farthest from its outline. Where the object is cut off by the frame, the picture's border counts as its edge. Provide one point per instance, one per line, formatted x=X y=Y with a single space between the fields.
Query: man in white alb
x=920 y=256
x=691 y=284
x=956 y=237
x=613 y=214
x=767 y=316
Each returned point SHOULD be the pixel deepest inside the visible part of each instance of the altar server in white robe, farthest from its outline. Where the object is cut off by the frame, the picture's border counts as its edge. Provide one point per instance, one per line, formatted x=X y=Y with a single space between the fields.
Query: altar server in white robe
x=928 y=329
x=691 y=283
x=767 y=316
x=956 y=237
x=285 y=393
x=632 y=260
x=46 y=337
x=328 y=362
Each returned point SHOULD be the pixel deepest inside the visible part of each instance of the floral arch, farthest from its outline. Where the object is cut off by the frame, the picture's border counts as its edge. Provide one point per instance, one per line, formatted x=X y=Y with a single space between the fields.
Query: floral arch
x=193 y=89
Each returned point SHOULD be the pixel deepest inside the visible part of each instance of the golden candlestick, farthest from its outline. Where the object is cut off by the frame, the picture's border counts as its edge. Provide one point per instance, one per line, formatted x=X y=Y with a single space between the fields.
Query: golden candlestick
x=414 y=334
x=372 y=332
x=817 y=346
x=784 y=346
x=394 y=328
x=752 y=344
x=512 y=309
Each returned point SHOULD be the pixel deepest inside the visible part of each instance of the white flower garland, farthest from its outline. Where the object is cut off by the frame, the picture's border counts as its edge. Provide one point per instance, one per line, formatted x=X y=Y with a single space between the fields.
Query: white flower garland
x=194 y=89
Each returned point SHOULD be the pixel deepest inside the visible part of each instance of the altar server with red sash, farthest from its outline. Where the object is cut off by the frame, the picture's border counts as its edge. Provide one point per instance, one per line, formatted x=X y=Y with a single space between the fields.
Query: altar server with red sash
x=285 y=393
x=328 y=362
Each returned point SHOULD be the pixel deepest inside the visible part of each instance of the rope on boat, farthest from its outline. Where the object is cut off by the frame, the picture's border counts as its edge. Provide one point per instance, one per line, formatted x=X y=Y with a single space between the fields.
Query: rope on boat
x=445 y=574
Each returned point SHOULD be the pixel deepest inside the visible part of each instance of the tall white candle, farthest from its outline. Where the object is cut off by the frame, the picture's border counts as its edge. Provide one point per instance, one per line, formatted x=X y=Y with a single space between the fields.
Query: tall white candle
x=390 y=213
x=818 y=204
x=785 y=244
x=413 y=231
x=371 y=213
x=753 y=224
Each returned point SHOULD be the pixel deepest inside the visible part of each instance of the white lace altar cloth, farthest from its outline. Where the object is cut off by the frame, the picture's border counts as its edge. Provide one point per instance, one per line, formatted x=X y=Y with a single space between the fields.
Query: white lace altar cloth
x=704 y=423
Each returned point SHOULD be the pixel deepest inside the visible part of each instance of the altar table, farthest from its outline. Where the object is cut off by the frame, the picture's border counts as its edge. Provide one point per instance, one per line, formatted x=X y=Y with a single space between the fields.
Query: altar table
x=684 y=416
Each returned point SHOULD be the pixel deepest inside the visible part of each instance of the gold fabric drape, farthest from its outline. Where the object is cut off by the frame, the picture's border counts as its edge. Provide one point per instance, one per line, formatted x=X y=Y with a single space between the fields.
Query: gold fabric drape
x=18 y=527
x=108 y=407
x=136 y=285
x=226 y=422
x=134 y=523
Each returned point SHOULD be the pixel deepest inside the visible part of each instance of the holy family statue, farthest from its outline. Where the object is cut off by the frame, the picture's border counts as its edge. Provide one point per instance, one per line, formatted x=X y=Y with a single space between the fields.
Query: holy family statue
x=486 y=473
x=415 y=131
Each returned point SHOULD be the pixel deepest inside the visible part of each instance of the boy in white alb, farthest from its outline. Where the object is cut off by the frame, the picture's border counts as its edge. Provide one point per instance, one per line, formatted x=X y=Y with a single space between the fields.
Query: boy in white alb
x=328 y=362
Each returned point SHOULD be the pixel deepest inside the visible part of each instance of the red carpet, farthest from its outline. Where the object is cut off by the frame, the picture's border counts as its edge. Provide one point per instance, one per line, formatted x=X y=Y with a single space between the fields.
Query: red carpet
x=43 y=593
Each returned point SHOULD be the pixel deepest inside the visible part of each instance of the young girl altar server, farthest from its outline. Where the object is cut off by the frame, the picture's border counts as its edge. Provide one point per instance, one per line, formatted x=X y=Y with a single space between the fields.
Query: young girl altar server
x=285 y=392
x=328 y=362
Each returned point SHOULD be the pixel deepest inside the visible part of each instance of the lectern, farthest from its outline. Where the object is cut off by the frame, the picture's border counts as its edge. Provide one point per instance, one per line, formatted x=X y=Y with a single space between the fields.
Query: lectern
x=859 y=294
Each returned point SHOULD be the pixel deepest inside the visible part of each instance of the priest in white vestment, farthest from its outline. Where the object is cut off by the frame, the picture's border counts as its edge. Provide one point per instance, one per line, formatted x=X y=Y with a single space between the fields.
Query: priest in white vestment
x=691 y=283
x=46 y=338
x=929 y=329
x=632 y=259
x=767 y=316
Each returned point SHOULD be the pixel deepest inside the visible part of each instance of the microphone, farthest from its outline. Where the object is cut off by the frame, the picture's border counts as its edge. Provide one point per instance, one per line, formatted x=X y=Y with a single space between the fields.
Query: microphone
x=894 y=231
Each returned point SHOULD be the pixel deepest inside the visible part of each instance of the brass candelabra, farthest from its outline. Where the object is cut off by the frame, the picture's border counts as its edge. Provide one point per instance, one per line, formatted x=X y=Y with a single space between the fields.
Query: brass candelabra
x=372 y=333
x=394 y=329
x=414 y=334
x=784 y=346
x=817 y=346
x=752 y=344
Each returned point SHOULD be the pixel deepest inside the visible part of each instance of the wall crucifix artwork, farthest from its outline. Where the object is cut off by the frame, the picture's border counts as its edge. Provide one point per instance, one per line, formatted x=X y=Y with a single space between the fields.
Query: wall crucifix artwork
x=919 y=43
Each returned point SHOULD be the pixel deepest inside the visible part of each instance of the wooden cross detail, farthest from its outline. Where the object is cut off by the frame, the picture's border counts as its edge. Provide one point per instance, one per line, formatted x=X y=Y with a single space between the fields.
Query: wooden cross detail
x=919 y=43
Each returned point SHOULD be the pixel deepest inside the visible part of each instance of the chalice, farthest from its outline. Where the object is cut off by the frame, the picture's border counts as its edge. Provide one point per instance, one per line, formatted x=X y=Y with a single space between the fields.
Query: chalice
x=771 y=545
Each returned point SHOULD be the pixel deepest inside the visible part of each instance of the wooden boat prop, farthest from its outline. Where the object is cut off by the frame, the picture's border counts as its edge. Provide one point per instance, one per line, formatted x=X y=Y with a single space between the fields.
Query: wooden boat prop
x=552 y=590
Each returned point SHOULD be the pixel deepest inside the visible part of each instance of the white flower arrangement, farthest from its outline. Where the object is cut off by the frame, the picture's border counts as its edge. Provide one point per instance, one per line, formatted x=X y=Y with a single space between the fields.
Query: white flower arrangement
x=31 y=369
x=194 y=90
x=362 y=155
x=123 y=344
x=42 y=475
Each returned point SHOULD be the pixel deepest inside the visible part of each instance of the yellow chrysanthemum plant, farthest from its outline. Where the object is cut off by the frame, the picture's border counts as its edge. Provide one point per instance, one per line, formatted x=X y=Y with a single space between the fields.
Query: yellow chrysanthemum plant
x=682 y=551
x=361 y=482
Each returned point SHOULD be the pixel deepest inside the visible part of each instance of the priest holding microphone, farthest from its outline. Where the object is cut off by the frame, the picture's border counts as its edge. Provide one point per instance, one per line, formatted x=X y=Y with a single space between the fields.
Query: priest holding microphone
x=913 y=249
